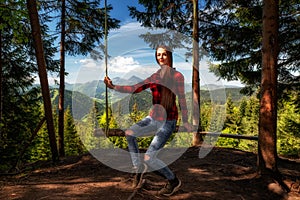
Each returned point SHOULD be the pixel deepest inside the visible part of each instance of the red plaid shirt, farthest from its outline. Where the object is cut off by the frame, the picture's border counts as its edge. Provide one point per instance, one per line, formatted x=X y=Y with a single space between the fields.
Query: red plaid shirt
x=154 y=82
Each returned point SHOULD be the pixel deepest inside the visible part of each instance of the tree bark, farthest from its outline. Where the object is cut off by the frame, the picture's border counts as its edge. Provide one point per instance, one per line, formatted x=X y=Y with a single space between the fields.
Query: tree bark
x=62 y=82
x=1 y=85
x=197 y=138
x=267 y=151
x=42 y=71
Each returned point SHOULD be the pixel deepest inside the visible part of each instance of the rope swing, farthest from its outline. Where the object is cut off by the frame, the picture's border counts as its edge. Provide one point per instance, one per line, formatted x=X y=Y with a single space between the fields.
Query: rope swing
x=97 y=129
x=106 y=67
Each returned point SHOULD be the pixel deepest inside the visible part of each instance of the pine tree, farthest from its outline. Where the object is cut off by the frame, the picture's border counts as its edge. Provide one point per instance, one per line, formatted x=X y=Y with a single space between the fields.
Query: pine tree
x=206 y=109
x=231 y=33
x=242 y=108
x=87 y=127
x=20 y=101
x=267 y=137
x=136 y=115
x=40 y=148
x=250 y=120
x=230 y=118
x=289 y=126
x=81 y=31
x=42 y=71
x=72 y=140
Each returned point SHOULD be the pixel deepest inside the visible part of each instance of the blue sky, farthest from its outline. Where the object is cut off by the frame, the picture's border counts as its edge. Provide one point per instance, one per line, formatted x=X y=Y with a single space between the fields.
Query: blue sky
x=120 y=10
x=129 y=55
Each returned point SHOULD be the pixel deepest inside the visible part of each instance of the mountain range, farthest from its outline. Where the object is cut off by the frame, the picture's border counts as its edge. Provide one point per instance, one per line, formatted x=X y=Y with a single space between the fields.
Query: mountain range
x=96 y=88
x=82 y=95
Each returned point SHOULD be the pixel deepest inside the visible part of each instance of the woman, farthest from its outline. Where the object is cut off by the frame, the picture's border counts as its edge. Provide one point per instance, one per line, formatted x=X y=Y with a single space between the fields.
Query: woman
x=164 y=85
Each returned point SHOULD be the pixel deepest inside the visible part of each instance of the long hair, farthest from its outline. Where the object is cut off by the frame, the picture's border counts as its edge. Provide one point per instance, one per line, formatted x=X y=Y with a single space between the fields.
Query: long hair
x=168 y=97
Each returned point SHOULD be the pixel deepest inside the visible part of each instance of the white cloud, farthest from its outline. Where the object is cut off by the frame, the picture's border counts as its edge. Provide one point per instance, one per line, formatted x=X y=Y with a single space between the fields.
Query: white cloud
x=90 y=63
x=122 y=64
x=87 y=70
x=125 y=67
x=119 y=66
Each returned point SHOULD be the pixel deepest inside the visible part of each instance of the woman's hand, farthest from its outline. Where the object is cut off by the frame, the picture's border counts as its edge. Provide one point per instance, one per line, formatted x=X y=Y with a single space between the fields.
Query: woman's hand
x=108 y=82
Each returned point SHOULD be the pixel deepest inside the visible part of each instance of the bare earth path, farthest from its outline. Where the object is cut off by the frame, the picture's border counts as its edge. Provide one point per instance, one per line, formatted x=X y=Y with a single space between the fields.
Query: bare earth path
x=223 y=174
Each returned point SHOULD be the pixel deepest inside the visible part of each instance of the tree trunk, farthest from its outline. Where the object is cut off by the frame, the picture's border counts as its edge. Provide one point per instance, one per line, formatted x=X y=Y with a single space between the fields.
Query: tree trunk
x=197 y=138
x=1 y=85
x=62 y=82
x=42 y=71
x=267 y=151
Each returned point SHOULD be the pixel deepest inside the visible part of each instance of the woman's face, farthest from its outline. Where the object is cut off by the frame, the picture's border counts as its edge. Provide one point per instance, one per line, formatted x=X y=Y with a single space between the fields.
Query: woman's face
x=162 y=57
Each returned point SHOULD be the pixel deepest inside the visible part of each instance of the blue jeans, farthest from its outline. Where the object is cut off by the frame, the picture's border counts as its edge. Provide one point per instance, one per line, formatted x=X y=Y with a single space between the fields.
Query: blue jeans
x=163 y=131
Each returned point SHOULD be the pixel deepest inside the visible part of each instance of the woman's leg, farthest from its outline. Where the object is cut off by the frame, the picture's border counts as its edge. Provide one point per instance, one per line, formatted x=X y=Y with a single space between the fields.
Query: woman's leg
x=139 y=129
x=158 y=142
x=151 y=159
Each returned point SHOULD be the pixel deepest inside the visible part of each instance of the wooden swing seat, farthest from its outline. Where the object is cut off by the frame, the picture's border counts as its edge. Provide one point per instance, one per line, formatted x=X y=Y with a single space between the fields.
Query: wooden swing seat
x=120 y=133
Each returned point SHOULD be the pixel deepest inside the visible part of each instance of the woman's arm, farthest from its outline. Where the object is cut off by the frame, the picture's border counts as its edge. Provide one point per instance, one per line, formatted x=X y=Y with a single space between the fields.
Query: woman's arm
x=179 y=79
x=126 y=88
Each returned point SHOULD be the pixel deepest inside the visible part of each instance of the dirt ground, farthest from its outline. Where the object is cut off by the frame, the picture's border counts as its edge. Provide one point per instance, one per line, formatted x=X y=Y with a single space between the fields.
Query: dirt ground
x=223 y=174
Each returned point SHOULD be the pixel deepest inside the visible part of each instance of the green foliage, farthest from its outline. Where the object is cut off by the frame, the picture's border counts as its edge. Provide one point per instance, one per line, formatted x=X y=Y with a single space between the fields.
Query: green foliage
x=165 y=14
x=86 y=128
x=20 y=101
x=241 y=117
x=84 y=25
x=242 y=108
x=289 y=126
x=233 y=37
x=136 y=115
x=40 y=147
x=205 y=115
x=217 y=118
x=241 y=120
x=250 y=120
x=119 y=142
x=233 y=121
x=73 y=144
x=227 y=142
x=229 y=121
x=21 y=113
x=79 y=135
x=125 y=121
x=111 y=120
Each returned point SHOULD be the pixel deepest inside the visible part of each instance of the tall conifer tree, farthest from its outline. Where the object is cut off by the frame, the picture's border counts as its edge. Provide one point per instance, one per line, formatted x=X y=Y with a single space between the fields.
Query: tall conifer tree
x=81 y=29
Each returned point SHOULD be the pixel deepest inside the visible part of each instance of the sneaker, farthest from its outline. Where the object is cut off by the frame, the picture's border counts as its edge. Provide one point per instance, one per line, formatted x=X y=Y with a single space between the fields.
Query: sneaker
x=138 y=177
x=171 y=187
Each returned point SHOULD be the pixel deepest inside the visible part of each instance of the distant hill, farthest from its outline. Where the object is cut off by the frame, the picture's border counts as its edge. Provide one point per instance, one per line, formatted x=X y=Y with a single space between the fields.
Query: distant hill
x=96 y=88
x=215 y=86
x=93 y=88
x=83 y=104
x=221 y=95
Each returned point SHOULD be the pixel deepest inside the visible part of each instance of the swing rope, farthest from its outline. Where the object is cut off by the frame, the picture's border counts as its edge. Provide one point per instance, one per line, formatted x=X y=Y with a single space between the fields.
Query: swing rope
x=106 y=67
